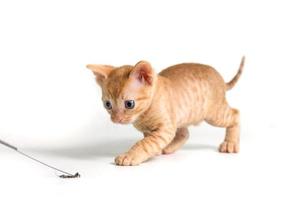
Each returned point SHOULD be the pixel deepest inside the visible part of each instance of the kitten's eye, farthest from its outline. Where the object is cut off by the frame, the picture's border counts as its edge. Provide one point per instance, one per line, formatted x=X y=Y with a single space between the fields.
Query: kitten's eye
x=107 y=105
x=129 y=104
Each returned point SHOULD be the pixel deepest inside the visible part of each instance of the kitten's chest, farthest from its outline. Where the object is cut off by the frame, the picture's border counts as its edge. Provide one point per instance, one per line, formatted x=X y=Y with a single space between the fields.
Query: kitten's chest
x=143 y=126
x=146 y=124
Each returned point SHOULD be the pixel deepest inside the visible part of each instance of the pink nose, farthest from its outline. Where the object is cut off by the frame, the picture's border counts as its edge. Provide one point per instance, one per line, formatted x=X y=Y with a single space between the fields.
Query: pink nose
x=116 y=118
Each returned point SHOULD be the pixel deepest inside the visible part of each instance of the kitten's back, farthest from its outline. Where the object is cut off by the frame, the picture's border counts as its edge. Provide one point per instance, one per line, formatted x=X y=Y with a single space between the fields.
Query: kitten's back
x=187 y=72
x=194 y=89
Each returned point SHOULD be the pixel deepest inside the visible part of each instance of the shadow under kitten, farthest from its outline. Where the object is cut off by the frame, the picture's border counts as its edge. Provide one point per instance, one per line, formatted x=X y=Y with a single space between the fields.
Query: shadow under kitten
x=87 y=150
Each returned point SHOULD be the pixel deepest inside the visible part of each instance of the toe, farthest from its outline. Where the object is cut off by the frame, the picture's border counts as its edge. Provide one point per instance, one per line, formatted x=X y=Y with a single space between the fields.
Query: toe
x=222 y=147
x=229 y=147
x=236 y=148
x=119 y=160
x=126 y=161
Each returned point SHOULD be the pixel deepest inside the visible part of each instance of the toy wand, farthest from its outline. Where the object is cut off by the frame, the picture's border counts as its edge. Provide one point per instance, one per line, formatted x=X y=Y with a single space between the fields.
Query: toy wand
x=65 y=174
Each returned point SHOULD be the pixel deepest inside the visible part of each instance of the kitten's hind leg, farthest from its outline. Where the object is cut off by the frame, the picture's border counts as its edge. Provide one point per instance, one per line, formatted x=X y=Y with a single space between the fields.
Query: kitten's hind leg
x=230 y=119
x=182 y=134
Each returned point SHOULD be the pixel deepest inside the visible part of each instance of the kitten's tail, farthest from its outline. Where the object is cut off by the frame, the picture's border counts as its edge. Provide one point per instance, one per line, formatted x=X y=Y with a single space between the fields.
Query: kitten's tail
x=235 y=79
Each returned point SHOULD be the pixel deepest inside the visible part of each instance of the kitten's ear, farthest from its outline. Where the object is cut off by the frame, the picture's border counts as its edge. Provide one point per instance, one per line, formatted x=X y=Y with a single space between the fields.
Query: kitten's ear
x=101 y=71
x=143 y=72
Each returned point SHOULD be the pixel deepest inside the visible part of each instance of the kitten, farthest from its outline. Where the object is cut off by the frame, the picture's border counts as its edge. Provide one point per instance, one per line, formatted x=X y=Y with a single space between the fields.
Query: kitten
x=163 y=105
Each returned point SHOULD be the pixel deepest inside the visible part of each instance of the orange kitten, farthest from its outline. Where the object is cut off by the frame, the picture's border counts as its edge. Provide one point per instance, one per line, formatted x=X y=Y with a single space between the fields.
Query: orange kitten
x=163 y=105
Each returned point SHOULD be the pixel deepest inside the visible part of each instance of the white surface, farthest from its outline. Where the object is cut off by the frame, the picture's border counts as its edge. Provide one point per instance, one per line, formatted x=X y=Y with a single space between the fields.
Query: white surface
x=50 y=105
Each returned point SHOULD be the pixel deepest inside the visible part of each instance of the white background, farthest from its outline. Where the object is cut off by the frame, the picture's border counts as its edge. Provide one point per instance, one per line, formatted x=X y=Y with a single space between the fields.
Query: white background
x=50 y=104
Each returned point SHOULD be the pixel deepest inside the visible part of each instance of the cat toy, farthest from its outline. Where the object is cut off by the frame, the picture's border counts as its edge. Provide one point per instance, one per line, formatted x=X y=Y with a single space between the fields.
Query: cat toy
x=64 y=175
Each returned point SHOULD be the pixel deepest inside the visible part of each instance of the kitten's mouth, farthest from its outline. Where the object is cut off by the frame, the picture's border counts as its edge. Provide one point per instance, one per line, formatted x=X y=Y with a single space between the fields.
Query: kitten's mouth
x=121 y=121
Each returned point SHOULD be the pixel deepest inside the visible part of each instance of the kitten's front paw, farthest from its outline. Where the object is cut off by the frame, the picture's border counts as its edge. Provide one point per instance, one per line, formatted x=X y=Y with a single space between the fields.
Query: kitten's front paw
x=128 y=159
x=229 y=147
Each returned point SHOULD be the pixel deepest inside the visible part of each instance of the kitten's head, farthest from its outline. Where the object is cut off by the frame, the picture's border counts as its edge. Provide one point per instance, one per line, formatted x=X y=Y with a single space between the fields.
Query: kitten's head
x=126 y=91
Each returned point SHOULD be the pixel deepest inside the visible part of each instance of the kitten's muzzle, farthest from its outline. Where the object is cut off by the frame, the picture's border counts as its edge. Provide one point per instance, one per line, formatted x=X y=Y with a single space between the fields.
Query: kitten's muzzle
x=119 y=119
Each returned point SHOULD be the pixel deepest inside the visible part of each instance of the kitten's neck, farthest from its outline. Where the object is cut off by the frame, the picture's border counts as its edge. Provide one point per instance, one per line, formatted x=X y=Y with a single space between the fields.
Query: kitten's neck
x=161 y=89
x=159 y=104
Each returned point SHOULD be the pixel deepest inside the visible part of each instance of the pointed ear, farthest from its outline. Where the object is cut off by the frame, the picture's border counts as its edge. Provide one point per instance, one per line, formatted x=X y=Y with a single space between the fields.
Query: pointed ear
x=143 y=72
x=101 y=71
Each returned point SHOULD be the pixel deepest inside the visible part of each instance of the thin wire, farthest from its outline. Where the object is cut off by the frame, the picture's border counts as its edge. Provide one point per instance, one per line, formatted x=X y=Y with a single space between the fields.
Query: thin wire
x=43 y=163
x=32 y=158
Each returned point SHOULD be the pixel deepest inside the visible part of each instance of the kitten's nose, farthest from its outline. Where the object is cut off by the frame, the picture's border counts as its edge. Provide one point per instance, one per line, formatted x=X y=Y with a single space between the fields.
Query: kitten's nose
x=116 y=118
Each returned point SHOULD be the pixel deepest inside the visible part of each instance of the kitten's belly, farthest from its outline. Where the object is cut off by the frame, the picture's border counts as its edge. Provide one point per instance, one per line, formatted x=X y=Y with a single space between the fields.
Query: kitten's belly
x=195 y=88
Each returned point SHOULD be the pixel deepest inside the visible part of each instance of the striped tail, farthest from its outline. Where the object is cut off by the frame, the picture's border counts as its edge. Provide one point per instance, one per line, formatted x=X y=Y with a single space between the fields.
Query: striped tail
x=235 y=79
